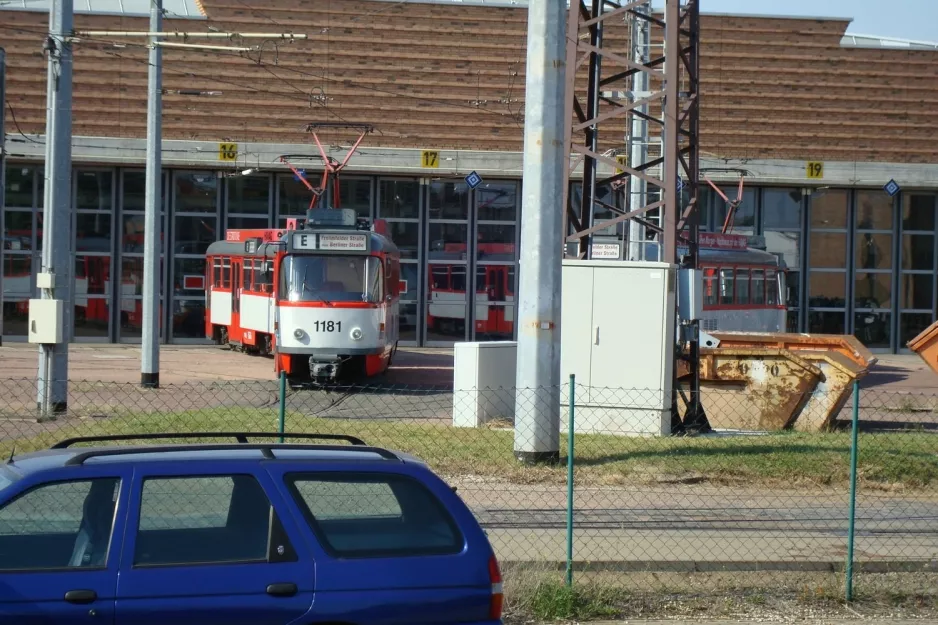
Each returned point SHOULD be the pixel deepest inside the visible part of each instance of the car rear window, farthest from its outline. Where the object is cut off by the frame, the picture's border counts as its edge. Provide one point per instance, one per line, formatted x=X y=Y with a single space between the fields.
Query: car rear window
x=375 y=515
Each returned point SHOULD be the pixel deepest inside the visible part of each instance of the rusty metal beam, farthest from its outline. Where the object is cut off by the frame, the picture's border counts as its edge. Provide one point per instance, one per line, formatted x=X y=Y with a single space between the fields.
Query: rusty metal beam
x=606 y=224
x=672 y=88
x=610 y=68
x=620 y=111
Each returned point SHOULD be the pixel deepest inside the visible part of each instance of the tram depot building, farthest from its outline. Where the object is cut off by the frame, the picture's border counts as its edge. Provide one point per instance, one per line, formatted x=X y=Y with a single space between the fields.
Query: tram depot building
x=818 y=121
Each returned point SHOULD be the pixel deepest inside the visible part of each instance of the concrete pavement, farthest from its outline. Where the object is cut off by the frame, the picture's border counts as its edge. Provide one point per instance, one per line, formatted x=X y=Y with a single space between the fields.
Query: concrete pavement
x=185 y=363
x=201 y=363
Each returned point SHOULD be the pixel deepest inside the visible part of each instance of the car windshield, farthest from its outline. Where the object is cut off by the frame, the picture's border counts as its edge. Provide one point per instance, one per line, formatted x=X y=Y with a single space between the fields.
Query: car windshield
x=331 y=279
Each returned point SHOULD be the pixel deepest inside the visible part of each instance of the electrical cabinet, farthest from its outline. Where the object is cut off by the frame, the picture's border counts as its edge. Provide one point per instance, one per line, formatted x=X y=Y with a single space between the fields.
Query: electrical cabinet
x=483 y=382
x=618 y=338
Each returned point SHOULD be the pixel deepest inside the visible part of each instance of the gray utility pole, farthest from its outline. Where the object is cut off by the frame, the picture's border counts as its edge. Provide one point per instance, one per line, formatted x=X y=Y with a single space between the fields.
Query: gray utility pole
x=638 y=137
x=537 y=401
x=150 y=343
x=55 y=278
x=3 y=172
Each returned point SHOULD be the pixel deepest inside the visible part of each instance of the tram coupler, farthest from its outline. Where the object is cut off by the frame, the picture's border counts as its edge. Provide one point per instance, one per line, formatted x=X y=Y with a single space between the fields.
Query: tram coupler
x=322 y=369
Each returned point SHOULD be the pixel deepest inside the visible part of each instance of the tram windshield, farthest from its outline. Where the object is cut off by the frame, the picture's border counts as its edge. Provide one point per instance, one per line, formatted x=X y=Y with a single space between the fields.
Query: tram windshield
x=331 y=279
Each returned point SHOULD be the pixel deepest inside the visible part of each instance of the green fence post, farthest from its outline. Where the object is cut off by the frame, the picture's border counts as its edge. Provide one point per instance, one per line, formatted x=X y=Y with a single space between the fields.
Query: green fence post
x=282 y=417
x=570 y=435
x=853 y=487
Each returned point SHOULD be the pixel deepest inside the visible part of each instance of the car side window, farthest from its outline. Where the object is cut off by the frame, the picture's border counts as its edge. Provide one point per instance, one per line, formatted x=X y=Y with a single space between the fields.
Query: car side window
x=208 y=520
x=60 y=525
x=375 y=515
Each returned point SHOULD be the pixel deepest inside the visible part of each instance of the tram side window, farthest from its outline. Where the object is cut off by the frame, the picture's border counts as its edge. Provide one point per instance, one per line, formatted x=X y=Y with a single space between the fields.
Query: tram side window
x=216 y=272
x=458 y=276
x=374 y=290
x=247 y=274
x=771 y=292
x=727 y=287
x=742 y=286
x=395 y=278
x=390 y=278
x=481 y=285
x=263 y=276
x=226 y=273
x=758 y=287
x=439 y=275
x=711 y=284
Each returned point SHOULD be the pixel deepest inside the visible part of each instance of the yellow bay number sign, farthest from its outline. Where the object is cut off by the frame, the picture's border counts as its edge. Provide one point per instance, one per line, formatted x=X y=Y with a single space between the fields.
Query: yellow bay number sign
x=429 y=159
x=227 y=151
x=815 y=169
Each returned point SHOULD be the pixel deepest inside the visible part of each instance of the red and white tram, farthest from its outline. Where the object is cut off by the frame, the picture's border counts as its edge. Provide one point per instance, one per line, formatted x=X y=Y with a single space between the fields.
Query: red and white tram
x=744 y=288
x=323 y=298
x=494 y=287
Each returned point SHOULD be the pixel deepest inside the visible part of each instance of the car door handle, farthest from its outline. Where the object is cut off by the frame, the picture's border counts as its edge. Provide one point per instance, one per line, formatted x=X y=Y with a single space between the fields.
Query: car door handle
x=81 y=596
x=281 y=590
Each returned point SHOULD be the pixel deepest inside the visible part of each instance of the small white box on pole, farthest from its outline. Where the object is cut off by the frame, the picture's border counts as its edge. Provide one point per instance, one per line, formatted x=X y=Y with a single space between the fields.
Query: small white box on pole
x=483 y=382
x=45 y=280
x=46 y=321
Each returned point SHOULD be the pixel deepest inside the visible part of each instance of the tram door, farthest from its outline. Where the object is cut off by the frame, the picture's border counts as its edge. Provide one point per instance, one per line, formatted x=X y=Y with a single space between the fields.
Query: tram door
x=236 y=268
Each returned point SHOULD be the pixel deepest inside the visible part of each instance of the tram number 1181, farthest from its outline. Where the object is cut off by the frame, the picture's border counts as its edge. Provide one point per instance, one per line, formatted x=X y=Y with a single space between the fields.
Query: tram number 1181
x=328 y=326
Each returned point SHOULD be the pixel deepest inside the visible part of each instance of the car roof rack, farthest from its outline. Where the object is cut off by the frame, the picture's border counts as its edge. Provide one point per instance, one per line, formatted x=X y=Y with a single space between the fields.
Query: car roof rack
x=267 y=449
x=241 y=437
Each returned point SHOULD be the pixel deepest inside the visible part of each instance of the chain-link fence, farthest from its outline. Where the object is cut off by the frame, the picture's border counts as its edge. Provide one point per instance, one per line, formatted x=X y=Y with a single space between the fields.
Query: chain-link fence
x=744 y=510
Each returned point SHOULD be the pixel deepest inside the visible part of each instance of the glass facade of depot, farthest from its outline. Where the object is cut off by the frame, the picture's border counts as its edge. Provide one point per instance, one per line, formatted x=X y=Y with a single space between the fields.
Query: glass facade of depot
x=859 y=261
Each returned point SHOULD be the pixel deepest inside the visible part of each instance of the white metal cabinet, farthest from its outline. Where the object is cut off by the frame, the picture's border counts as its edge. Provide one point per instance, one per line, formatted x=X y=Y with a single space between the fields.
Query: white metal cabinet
x=484 y=382
x=617 y=337
x=628 y=319
x=576 y=324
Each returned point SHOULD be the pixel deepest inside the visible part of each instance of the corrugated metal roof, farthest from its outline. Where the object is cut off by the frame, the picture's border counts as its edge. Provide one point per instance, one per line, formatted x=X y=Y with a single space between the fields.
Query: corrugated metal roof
x=186 y=9
x=656 y=9
x=854 y=40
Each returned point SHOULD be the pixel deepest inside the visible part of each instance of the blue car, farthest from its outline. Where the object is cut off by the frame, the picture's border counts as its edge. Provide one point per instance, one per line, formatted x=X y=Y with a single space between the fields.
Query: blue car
x=243 y=533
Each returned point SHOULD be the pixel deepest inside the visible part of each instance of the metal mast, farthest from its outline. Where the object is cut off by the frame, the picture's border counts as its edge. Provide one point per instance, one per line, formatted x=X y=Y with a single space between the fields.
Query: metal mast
x=150 y=341
x=668 y=110
x=56 y=230
x=638 y=133
x=537 y=402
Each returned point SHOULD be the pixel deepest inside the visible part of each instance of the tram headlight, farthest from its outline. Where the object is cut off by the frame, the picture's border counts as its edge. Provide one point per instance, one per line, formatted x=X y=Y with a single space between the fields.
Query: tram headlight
x=299 y=334
x=356 y=334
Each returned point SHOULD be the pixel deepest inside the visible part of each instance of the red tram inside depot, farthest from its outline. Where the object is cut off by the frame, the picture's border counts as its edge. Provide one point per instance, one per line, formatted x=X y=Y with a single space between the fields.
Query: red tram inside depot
x=744 y=287
x=448 y=285
x=321 y=296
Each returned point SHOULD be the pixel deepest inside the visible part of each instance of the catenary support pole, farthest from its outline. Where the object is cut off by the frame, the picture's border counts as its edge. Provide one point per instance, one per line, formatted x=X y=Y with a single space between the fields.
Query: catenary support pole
x=150 y=347
x=671 y=134
x=537 y=401
x=638 y=135
x=52 y=386
x=3 y=171
x=853 y=488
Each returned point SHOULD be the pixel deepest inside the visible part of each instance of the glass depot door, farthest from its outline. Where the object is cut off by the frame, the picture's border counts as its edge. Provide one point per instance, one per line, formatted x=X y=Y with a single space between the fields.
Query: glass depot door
x=472 y=269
